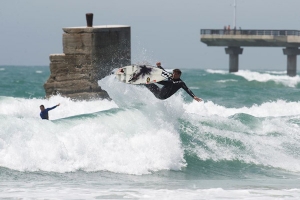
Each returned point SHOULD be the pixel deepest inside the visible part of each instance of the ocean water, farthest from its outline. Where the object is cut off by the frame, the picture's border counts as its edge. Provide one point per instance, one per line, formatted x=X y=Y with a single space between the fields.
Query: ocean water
x=241 y=142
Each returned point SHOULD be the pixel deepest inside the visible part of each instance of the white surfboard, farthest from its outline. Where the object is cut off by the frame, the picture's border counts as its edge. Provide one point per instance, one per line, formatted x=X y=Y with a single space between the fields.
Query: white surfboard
x=141 y=74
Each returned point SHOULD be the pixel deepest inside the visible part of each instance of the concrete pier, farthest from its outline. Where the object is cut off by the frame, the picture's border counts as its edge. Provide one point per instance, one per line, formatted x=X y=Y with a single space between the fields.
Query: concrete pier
x=89 y=54
x=235 y=39
x=233 y=58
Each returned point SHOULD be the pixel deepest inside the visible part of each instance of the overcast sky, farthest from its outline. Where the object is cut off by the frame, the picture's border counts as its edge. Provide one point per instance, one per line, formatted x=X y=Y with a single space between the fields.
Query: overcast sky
x=166 y=31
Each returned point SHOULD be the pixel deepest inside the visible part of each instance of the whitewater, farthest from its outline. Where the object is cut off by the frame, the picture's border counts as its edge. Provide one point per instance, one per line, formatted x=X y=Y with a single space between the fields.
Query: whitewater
x=241 y=142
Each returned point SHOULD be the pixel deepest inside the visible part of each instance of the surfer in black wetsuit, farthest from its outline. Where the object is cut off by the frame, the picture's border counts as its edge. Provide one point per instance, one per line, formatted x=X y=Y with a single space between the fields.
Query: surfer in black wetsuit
x=170 y=86
x=44 y=112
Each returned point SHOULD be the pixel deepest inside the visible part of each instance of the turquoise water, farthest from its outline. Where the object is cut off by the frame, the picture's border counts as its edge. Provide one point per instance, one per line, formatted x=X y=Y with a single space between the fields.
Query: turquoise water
x=241 y=142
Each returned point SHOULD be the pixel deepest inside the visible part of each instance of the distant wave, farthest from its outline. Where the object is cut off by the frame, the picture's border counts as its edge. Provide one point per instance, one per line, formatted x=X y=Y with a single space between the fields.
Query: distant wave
x=264 y=77
x=212 y=71
x=277 y=77
x=277 y=72
x=228 y=80
x=268 y=109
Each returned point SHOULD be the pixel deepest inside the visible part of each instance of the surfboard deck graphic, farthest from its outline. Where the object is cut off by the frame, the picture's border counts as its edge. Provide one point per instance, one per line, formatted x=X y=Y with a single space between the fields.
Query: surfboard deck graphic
x=141 y=74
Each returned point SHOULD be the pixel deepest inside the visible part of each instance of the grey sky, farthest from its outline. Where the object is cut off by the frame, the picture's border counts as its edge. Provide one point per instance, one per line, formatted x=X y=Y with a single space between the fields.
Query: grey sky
x=168 y=31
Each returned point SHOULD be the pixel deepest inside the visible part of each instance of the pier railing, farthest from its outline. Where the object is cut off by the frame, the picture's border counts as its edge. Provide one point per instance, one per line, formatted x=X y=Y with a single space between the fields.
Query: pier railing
x=249 y=32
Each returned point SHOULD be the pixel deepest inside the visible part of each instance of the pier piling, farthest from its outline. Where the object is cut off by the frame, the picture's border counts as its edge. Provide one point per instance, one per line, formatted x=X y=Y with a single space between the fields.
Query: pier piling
x=233 y=58
x=291 y=53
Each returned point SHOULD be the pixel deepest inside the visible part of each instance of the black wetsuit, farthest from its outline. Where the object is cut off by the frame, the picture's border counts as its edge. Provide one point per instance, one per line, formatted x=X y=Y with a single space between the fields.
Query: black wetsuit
x=170 y=87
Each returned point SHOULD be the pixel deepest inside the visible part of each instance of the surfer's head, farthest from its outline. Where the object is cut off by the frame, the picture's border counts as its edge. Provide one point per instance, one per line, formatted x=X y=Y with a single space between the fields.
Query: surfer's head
x=176 y=73
x=42 y=107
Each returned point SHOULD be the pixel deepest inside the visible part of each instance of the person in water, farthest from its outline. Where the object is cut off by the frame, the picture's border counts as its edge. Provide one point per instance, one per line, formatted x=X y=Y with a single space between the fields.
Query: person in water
x=170 y=86
x=44 y=112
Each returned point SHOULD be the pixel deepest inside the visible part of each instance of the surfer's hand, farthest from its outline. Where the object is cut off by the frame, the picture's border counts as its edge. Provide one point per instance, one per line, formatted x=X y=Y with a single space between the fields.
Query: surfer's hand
x=58 y=104
x=197 y=99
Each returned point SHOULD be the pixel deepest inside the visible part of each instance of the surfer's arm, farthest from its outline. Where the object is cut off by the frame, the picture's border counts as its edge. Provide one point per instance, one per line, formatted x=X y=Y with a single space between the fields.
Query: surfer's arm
x=163 y=82
x=167 y=74
x=183 y=85
x=53 y=107
x=160 y=67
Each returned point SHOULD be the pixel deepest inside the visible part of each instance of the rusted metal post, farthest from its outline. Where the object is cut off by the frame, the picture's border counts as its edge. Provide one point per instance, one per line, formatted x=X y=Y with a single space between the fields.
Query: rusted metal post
x=89 y=19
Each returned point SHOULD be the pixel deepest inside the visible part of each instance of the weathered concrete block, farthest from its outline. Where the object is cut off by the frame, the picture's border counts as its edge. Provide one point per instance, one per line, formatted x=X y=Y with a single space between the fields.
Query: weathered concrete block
x=78 y=43
x=89 y=55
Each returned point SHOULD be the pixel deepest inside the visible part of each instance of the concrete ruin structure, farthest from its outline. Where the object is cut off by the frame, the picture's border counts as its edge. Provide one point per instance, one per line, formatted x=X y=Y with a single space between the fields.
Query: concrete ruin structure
x=89 y=54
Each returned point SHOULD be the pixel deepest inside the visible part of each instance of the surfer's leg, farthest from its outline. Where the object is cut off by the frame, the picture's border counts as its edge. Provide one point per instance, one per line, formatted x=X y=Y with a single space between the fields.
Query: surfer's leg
x=154 y=89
